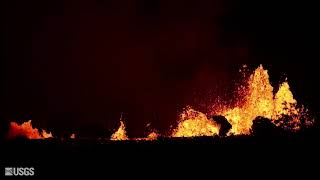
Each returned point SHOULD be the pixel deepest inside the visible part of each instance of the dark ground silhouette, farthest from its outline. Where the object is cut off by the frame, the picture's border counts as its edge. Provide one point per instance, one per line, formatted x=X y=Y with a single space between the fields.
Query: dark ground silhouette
x=268 y=144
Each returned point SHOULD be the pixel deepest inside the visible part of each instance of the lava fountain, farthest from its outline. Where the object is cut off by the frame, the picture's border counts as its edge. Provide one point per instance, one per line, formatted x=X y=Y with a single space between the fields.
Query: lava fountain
x=194 y=123
x=259 y=100
x=255 y=98
x=121 y=133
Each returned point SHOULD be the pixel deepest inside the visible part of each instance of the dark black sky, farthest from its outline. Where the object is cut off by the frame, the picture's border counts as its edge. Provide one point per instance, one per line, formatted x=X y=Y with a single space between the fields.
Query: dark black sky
x=75 y=65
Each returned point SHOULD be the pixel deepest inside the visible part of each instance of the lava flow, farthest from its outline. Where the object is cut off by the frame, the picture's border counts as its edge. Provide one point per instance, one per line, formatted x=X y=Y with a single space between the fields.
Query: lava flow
x=26 y=130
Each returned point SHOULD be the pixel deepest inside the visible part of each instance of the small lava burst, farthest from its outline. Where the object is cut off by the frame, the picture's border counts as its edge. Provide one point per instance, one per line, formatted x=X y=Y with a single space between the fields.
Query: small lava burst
x=121 y=133
x=46 y=135
x=194 y=123
x=152 y=136
x=26 y=130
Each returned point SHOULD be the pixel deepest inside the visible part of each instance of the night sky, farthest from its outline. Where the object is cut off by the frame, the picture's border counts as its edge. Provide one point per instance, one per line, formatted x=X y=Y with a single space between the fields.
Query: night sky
x=74 y=66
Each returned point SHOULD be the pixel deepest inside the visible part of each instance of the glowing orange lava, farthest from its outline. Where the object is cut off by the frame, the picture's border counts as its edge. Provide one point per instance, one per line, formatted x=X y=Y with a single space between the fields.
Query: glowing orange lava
x=152 y=136
x=194 y=123
x=26 y=130
x=46 y=135
x=121 y=133
x=255 y=98
x=260 y=101
x=284 y=103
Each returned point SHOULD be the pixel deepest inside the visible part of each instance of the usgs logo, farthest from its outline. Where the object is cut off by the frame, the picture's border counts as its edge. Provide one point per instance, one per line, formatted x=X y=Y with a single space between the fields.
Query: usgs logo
x=19 y=171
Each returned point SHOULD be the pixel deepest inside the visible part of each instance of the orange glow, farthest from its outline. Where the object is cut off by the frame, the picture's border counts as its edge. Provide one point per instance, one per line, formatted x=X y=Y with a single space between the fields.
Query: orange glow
x=26 y=130
x=46 y=135
x=255 y=97
x=260 y=101
x=284 y=103
x=152 y=136
x=194 y=123
x=121 y=133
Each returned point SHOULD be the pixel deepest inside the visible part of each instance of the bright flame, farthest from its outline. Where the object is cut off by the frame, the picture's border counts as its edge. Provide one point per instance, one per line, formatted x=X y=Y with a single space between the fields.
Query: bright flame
x=73 y=136
x=26 y=130
x=260 y=101
x=120 y=134
x=194 y=123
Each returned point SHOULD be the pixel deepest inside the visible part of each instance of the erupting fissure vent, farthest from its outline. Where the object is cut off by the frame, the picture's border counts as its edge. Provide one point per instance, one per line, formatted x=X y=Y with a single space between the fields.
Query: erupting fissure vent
x=256 y=99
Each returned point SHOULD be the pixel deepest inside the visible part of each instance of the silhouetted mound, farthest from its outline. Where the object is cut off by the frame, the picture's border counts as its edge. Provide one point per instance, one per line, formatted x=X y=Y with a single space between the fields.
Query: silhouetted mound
x=225 y=126
x=263 y=127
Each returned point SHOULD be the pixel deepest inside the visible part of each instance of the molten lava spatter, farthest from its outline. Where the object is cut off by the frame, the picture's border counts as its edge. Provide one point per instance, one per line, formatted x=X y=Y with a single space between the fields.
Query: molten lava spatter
x=46 y=135
x=194 y=123
x=121 y=133
x=260 y=101
x=284 y=103
x=26 y=130
x=255 y=98
x=152 y=136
